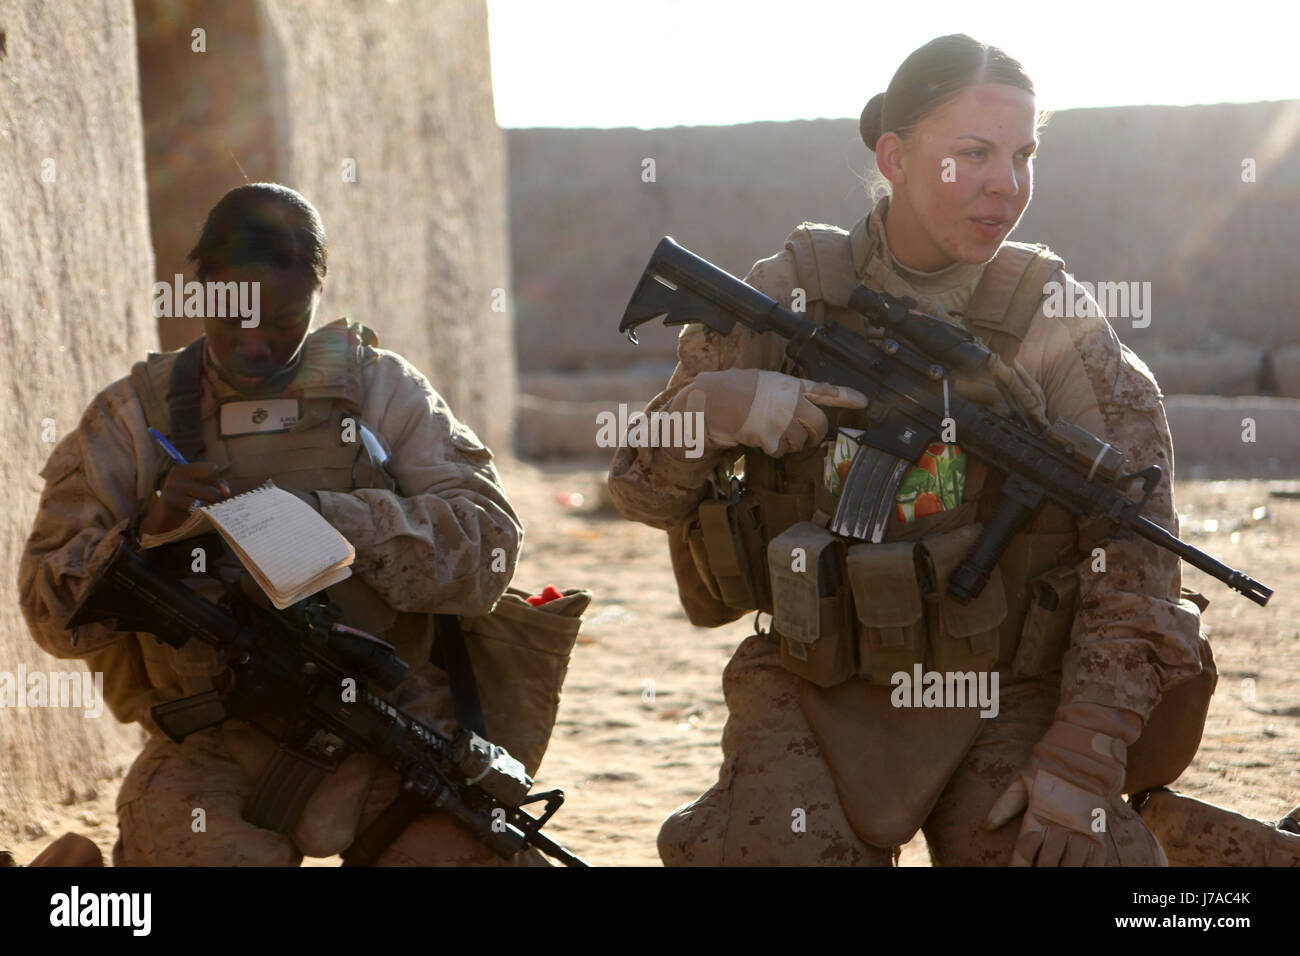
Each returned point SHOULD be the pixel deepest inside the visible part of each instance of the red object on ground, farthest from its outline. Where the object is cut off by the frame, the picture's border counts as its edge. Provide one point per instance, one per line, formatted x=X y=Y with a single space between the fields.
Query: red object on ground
x=549 y=593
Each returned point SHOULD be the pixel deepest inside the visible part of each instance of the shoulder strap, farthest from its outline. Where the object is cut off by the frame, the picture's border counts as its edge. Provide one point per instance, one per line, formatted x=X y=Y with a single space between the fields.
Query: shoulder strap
x=823 y=262
x=332 y=359
x=151 y=380
x=1008 y=295
x=184 y=399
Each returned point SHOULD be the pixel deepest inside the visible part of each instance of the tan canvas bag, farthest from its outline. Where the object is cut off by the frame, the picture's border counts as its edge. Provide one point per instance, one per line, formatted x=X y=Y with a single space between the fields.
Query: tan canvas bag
x=520 y=655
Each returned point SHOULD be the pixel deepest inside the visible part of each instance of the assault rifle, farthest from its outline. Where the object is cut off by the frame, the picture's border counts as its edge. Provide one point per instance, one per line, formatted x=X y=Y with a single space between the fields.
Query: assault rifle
x=902 y=366
x=300 y=676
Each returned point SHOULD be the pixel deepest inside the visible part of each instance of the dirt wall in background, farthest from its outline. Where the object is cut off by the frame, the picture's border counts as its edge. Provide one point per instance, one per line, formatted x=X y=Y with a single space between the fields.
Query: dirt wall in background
x=207 y=124
x=75 y=270
x=383 y=117
x=1148 y=194
x=418 y=242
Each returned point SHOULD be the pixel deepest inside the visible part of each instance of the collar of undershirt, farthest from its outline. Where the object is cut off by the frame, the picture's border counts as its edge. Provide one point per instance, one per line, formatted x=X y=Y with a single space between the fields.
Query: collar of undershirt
x=944 y=292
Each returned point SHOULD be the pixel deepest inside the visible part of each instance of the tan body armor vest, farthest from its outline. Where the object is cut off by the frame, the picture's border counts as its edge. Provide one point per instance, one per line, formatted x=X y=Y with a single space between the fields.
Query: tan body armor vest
x=321 y=451
x=889 y=609
x=872 y=610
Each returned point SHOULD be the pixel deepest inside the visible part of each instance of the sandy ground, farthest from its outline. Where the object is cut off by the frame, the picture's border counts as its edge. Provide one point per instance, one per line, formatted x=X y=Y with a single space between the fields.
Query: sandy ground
x=642 y=715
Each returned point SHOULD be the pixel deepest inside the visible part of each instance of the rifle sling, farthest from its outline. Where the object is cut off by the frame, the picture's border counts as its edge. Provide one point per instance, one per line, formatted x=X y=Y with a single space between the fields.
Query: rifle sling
x=450 y=652
x=371 y=843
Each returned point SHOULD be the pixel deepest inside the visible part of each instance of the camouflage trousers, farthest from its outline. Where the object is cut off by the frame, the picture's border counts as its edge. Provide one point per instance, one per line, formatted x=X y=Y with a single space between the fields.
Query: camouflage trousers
x=181 y=804
x=771 y=764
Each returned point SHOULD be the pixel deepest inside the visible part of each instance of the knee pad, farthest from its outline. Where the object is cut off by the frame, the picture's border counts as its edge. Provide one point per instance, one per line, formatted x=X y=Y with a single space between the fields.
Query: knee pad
x=1131 y=842
x=691 y=837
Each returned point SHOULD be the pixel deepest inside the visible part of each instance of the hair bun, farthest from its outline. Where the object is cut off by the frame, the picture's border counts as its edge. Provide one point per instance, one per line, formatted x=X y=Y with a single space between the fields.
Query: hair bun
x=869 y=126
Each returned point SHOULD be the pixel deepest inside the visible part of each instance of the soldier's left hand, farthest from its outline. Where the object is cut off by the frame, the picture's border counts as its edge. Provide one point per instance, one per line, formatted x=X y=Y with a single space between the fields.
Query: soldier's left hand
x=1017 y=383
x=1066 y=788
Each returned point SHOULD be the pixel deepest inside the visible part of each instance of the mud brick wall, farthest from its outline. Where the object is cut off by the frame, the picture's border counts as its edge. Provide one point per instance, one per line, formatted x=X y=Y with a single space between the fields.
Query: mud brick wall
x=75 y=271
x=1147 y=194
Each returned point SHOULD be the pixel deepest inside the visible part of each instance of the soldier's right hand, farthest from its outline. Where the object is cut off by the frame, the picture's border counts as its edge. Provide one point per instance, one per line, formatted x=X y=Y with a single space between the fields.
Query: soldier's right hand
x=761 y=409
x=184 y=484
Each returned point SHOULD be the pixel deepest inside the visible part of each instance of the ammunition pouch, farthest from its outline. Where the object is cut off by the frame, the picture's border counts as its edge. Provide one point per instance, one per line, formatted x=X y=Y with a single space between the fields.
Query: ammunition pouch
x=731 y=540
x=809 y=604
x=873 y=609
x=1045 y=636
x=694 y=540
x=905 y=615
x=696 y=588
x=779 y=511
x=963 y=637
x=887 y=605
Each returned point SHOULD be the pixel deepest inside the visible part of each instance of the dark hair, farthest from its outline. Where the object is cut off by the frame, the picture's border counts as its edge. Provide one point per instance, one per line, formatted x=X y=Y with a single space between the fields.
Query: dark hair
x=930 y=77
x=261 y=223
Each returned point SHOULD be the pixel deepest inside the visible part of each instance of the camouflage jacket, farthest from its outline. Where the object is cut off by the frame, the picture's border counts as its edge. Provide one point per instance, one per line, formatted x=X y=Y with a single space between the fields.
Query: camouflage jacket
x=449 y=543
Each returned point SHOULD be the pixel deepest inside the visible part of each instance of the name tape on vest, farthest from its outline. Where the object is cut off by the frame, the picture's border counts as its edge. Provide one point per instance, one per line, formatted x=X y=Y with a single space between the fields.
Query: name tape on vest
x=249 y=418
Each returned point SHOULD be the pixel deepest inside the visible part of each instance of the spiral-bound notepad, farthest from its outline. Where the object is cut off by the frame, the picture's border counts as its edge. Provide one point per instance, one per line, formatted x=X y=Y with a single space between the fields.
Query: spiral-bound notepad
x=289 y=549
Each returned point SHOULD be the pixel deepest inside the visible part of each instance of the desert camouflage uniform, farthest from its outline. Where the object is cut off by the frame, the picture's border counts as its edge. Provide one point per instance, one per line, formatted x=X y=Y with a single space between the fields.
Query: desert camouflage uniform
x=431 y=550
x=1131 y=638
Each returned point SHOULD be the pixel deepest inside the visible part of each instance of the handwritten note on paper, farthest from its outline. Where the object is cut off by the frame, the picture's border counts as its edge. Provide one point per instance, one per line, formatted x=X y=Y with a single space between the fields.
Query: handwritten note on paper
x=289 y=549
x=281 y=535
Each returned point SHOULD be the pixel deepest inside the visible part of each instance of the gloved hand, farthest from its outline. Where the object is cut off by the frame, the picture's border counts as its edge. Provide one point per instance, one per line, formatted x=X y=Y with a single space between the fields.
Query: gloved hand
x=1026 y=393
x=768 y=410
x=1075 y=769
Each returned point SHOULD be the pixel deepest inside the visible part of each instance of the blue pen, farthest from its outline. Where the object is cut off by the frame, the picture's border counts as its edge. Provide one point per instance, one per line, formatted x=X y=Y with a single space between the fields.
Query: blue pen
x=172 y=453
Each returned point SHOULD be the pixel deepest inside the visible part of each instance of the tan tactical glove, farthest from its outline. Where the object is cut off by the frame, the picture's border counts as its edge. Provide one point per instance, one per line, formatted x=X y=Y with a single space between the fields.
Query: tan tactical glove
x=1027 y=393
x=767 y=410
x=1074 y=771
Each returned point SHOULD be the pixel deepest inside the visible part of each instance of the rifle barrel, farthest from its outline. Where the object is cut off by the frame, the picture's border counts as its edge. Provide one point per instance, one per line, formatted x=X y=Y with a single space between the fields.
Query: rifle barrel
x=1237 y=580
x=553 y=849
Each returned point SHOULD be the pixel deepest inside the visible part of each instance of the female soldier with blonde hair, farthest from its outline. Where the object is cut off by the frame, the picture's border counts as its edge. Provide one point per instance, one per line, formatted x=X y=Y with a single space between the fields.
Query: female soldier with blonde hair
x=825 y=759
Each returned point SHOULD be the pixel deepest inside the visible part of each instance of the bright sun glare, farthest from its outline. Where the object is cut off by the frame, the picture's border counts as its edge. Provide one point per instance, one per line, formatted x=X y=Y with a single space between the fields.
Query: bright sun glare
x=652 y=63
